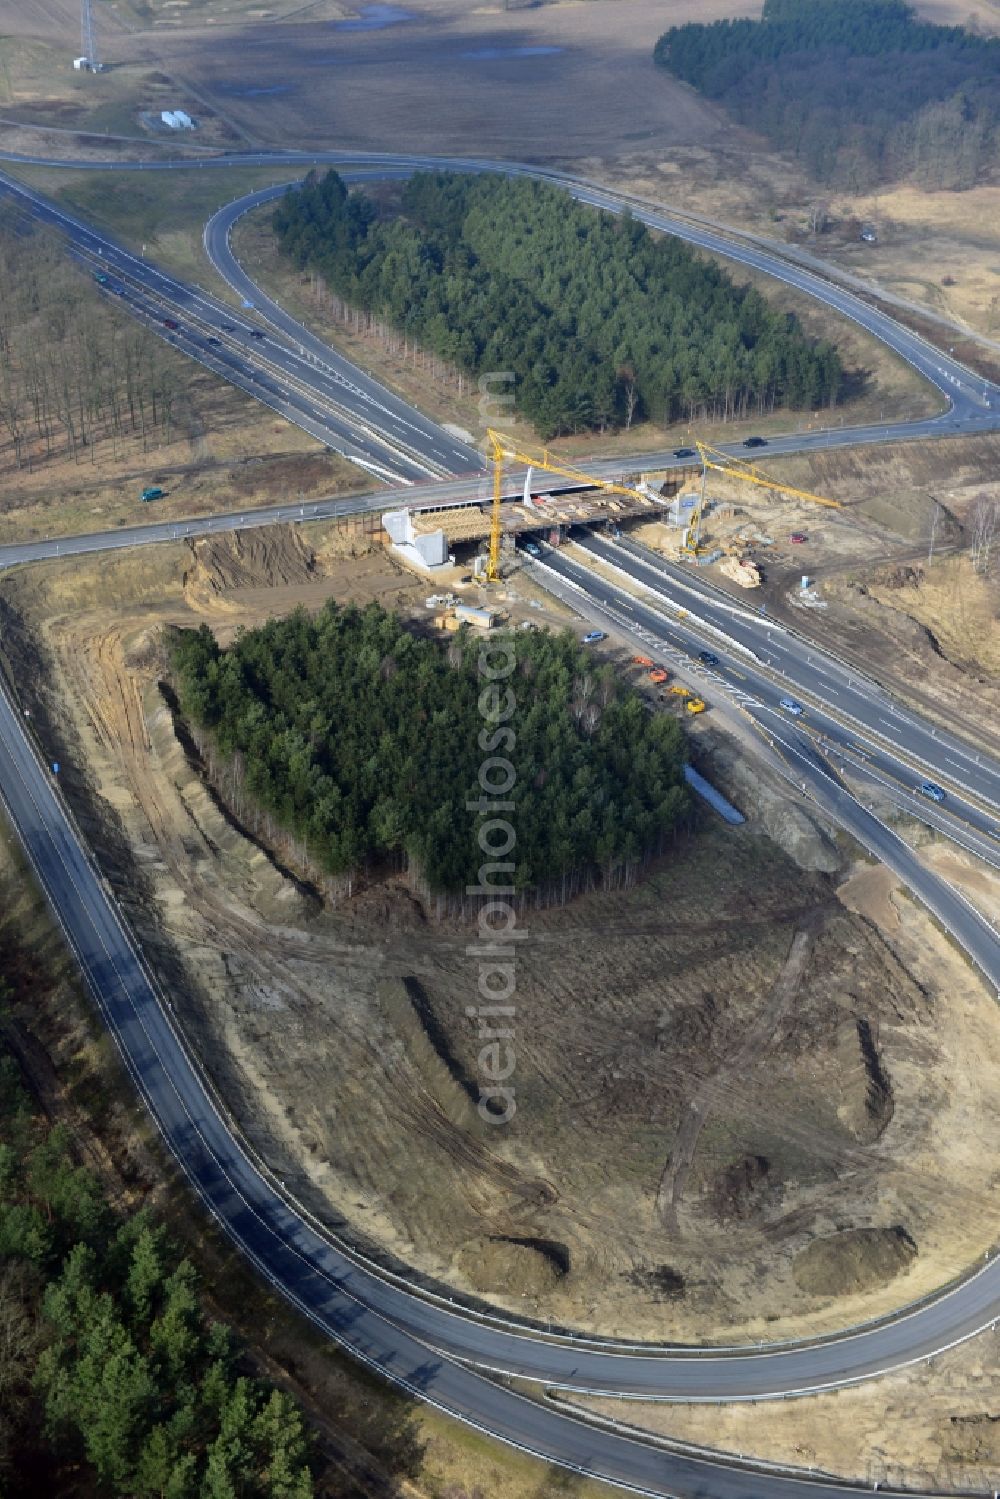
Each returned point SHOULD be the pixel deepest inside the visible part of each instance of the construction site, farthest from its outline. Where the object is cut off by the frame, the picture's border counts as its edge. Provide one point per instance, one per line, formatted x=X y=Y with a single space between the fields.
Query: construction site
x=718 y=513
x=336 y=1030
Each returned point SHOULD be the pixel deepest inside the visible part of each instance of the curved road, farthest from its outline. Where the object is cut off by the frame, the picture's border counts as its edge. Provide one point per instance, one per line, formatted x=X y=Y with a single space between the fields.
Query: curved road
x=974 y=402
x=418 y=1341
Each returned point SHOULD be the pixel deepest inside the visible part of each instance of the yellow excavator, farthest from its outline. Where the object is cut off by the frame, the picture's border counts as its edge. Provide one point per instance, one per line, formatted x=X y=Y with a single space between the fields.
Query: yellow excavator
x=504 y=449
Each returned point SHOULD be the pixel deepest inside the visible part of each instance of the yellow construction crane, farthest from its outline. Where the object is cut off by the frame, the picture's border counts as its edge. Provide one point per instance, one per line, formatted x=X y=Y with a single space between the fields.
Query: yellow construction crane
x=724 y=463
x=505 y=449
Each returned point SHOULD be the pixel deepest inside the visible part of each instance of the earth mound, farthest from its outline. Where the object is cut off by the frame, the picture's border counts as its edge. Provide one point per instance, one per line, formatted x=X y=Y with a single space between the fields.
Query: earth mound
x=857 y=1259
x=517 y=1267
x=262 y=558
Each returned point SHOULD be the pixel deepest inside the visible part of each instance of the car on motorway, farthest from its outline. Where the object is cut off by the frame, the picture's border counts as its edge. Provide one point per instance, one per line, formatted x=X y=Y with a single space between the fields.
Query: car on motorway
x=228 y=327
x=798 y=537
x=215 y=342
x=256 y=333
x=685 y=453
x=933 y=790
x=168 y=322
x=533 y=549
x=593 y=636
x=708 y=658
x=755 y=442
x=791 y=706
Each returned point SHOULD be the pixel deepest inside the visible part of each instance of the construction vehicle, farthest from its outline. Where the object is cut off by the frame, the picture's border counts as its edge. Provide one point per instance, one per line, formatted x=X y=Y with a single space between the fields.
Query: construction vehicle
x=642 y=660
x=695 y=705
x=658 y=675
x=679 y=691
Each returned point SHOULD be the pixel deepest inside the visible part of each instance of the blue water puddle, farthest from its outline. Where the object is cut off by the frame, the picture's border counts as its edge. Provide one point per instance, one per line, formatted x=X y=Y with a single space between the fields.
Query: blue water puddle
x=490 y=54
x=374 y=18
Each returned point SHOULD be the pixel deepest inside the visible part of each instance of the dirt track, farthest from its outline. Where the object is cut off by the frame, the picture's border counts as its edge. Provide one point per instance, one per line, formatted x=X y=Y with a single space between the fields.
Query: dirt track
x=841 y=1099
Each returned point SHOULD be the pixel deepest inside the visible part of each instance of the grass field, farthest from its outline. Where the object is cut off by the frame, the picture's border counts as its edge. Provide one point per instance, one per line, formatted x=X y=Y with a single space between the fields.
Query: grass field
x=39 y=87
x=452 y=77
x=161 y=215
x=548 y=80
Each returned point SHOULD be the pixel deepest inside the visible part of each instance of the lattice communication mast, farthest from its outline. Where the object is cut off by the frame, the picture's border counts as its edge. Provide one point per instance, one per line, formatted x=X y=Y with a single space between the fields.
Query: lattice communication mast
x=87 y=36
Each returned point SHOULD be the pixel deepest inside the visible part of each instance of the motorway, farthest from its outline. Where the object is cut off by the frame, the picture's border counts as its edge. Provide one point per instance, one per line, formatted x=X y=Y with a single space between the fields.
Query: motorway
x=679 y=626
x=842 y=705
x=973 y=404
x=322 y=393
x=428 y=1346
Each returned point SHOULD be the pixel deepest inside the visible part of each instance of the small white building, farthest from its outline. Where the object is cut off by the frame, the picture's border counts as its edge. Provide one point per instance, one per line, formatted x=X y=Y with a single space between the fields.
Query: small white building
x=176 y=119
x=81 y=64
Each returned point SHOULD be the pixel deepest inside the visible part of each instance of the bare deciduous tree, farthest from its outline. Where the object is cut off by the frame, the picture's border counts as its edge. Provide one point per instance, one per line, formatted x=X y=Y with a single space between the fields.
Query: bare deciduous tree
x=984 y=523
x=73 y=372
x=819 y=217
x=628 y=381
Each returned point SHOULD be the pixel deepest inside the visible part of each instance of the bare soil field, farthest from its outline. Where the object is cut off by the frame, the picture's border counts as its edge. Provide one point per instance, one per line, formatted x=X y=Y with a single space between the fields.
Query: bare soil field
x=644 y=1186
x=366 y=1433
x=930 y=1427
x=956 y=605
